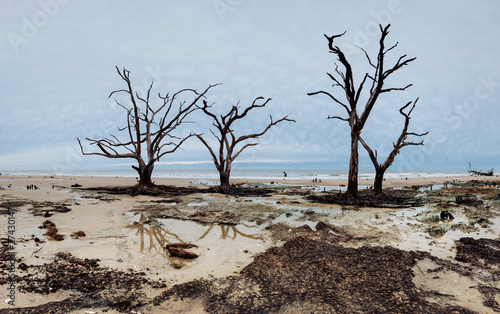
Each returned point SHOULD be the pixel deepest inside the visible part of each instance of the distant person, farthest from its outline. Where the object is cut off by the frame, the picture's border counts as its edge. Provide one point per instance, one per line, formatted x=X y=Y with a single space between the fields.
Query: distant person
x=284 y=174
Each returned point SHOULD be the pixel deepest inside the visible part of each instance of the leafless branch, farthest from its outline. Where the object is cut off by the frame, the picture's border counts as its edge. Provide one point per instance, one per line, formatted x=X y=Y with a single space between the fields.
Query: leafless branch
x=227 y=140
x=337 y=117
x=148 y=126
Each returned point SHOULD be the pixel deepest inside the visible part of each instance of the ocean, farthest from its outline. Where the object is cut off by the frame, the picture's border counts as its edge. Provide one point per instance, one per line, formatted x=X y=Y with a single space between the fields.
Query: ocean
x=265 y=174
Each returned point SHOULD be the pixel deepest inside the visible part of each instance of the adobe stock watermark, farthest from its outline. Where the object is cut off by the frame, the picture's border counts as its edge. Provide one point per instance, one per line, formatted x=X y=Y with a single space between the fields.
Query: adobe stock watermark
x=73 y=155
x=31 y=26
x=363 y=36
x=453 y=119
x=222 y=7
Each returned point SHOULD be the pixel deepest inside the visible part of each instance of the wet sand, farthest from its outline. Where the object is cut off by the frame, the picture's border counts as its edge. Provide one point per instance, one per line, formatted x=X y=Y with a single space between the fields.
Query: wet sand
x=120 y=234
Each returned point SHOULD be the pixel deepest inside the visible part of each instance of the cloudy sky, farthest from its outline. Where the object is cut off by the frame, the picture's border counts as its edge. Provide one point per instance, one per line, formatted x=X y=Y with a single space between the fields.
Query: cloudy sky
x=59 y=56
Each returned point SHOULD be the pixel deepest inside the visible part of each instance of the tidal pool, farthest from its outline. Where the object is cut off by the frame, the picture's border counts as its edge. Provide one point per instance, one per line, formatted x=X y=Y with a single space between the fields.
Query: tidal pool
x=226 y=243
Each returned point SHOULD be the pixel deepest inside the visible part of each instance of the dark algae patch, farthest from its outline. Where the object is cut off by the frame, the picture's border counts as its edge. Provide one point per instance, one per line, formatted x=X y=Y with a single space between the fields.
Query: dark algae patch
x=309 y=273
x=311 y=276
x=90 y=284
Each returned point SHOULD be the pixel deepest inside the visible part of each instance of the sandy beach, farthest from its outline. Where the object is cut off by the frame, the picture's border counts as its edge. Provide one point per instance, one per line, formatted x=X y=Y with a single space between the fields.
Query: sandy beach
x=129 y=233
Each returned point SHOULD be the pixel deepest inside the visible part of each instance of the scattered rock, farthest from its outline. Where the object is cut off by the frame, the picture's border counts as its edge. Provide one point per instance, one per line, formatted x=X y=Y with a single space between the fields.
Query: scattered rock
x=78 y=234
x=176 y=265
x=48 y=223
x=52 y=230
x=178 y=250
x=22 y=266
x=446 y=215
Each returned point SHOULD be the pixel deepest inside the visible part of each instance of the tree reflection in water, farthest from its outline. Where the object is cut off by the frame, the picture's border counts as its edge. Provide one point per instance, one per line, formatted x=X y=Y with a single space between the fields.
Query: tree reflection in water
x=226 y=230
x=157 y=236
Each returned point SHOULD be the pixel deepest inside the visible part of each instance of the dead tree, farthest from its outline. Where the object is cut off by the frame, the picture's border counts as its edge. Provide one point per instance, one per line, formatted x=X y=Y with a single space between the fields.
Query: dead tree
x=345 y=80
x=228 y=145
x=400 y=143
x=478 y=173
x=148 y=130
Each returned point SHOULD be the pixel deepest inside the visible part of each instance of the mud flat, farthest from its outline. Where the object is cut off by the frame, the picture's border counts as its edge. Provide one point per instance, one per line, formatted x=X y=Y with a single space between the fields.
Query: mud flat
x=277 y=252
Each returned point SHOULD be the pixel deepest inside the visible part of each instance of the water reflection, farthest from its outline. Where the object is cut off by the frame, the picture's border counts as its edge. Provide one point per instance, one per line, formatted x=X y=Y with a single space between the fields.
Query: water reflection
x=226 y=232
x=153 y=236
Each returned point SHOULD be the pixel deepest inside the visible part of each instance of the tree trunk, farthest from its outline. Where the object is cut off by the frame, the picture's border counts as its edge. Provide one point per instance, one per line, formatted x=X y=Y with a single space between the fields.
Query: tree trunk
x=224 y=179
x=145 y=172
x=352 y=183
x=379 y=180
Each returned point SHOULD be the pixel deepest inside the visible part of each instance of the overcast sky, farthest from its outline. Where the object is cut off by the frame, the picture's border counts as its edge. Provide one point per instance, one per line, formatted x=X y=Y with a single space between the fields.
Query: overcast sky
x=59 y=56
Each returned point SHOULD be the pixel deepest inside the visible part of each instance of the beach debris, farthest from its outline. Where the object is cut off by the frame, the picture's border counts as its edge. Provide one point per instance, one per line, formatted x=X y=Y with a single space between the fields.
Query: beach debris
x=22 y=266
x=179 y=250
x=467 y=200
x=299 y=275
x=37 y=240
x=48 y=209
x=48 y=223
x=479 y=252
x=446 y=215
x=477 y=173
x=101 y=286
x=390 y=199
x=76 y=185
x=119 y=260
x=32 y=187
x=52 y=230
x=78 y=234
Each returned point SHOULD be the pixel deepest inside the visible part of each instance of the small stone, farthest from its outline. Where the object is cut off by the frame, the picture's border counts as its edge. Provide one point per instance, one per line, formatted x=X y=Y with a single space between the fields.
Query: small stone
x=78 y=234
x=22 y=266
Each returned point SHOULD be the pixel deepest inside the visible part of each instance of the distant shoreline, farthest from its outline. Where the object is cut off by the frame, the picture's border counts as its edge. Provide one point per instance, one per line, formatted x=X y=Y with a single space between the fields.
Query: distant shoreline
x=241 y=174
x=364 y=182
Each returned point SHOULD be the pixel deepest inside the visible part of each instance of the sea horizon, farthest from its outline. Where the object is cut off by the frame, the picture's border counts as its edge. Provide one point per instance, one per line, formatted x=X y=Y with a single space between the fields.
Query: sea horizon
x=265 y=174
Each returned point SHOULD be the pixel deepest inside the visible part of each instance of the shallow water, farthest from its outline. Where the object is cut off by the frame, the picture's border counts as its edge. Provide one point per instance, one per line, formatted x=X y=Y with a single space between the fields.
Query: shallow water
x=147 y=239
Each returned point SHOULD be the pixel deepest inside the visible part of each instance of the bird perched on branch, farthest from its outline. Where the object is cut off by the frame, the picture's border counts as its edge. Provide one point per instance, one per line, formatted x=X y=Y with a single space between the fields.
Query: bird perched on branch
x=330 y=40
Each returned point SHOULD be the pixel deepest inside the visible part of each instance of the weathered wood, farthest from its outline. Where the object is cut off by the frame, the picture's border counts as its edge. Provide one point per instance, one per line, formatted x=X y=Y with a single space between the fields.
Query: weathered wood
x=345 y=80
x=148 y=127
x=227 y=142
x=480 y=172
x=400 y=143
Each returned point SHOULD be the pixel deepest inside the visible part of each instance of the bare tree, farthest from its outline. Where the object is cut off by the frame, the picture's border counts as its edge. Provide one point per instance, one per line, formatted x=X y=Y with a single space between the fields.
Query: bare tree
x=345 y=80
x=148 y=127
x=227 y=150
x=400 y=143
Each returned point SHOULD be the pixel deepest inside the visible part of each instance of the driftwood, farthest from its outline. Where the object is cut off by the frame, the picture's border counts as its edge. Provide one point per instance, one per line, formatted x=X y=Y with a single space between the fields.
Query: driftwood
x=488 y=173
